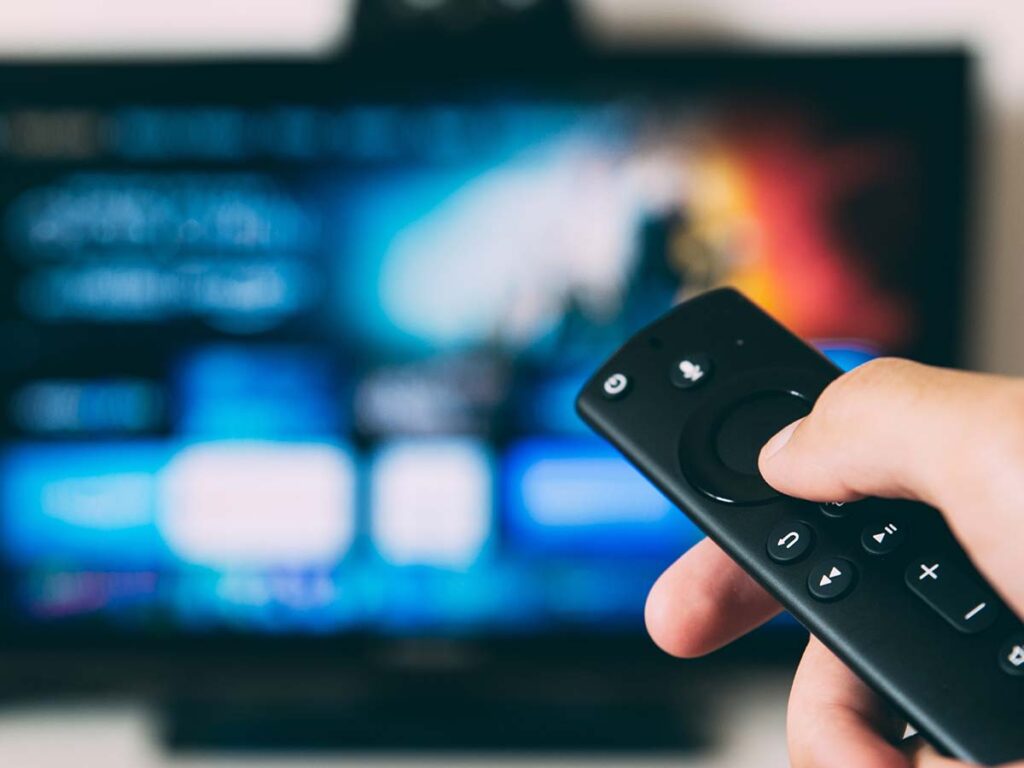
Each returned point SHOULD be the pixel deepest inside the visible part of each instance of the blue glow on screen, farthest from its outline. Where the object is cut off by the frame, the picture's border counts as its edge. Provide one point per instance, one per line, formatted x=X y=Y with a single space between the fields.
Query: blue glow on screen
x=550 y=406
x=580 y=497
x=846 y=355
x=271 y=392
x=90 y=506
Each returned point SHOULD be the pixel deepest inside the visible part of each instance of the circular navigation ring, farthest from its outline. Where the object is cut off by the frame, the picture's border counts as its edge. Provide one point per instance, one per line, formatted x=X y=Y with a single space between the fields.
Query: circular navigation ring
x=720 y=444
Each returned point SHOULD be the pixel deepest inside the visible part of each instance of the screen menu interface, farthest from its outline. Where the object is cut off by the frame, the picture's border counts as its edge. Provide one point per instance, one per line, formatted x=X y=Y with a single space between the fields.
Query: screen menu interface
x=309 y=369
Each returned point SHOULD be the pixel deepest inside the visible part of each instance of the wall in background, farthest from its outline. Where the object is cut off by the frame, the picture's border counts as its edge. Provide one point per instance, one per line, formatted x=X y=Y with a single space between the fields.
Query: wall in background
x=105 y=28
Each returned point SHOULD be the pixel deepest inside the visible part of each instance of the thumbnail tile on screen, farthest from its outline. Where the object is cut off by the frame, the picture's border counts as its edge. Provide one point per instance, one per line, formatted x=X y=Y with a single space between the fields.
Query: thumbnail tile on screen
x=431 y=503
x=257 y=504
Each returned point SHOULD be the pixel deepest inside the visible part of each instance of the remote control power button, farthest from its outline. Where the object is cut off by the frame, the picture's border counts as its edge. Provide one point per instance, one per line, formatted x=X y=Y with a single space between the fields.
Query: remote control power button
x=882 y=538
x=689 y=371
x=615 y=386
x=831 y=579
x=1011 y=655
x=789 y=541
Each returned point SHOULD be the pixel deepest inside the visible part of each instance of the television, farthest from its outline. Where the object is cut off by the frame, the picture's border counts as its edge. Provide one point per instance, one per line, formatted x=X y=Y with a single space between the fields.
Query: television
x=290 y=348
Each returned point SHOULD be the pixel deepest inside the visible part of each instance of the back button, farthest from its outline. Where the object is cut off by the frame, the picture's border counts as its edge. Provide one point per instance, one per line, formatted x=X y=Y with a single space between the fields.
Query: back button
x=789 y=541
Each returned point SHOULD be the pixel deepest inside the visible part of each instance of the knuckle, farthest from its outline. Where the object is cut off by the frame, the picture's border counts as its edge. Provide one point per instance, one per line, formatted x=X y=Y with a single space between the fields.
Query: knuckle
x=851 y=393
x=880 y=372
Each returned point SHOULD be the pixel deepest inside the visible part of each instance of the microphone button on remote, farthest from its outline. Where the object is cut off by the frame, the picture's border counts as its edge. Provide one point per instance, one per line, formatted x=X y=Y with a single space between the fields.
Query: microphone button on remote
x=690 y=371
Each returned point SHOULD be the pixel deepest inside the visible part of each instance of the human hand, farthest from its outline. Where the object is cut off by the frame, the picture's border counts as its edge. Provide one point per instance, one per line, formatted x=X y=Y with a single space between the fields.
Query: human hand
x=890 y=428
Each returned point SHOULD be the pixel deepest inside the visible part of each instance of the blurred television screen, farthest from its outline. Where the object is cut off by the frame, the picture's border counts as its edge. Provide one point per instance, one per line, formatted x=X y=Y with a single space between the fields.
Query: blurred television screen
x=287 y=353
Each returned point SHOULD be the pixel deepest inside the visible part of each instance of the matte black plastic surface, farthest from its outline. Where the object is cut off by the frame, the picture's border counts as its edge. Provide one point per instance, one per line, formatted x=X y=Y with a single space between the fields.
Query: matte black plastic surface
x=953 y=685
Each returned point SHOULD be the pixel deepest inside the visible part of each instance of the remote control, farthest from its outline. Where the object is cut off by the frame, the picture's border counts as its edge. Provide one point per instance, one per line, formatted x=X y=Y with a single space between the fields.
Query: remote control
x=691 y=399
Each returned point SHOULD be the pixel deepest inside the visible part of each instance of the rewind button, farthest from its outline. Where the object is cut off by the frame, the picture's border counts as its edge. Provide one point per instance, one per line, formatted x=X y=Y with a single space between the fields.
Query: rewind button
x=831 y=579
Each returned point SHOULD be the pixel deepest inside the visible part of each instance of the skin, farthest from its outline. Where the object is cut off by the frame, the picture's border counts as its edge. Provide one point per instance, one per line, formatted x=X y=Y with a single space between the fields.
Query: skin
x=890 y=428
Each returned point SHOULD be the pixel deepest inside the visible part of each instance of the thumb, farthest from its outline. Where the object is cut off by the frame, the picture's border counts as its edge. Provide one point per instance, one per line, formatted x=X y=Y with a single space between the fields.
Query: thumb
x=894 y=428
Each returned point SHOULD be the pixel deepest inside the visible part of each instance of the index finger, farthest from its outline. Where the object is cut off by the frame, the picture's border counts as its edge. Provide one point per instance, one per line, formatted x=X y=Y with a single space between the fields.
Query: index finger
x=704 y=601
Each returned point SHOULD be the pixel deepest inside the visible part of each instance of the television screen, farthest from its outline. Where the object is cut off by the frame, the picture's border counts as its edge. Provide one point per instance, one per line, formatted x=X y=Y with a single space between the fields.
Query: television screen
x=290 y=351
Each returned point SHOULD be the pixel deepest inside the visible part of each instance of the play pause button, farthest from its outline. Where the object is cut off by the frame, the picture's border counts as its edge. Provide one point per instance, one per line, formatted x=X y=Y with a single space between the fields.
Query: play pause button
x=882 y=537
x=831 y=579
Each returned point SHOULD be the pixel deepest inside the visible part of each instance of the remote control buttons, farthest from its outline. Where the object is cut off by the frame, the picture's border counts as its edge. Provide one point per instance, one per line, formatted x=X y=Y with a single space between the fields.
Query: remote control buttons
x=957 y=597
x=1011 y=655
x=835 y=508
x=882 y=538
x=691 y=370
x=831 y=579
x=789 y=541
x=615 y=386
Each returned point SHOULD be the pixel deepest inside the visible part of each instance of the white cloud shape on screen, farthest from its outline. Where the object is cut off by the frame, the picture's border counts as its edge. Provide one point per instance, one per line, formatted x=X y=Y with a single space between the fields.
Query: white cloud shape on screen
x=497 y=259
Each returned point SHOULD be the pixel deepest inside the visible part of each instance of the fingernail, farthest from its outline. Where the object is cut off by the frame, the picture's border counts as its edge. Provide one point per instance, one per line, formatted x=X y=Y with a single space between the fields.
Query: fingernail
x=778 y=442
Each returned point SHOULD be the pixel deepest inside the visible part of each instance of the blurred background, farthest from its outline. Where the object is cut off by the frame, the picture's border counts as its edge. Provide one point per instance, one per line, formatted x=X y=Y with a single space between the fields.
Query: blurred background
x=294 y=301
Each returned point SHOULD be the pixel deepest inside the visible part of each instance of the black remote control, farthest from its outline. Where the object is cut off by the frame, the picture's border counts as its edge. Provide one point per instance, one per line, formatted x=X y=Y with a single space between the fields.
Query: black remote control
x=691 y=399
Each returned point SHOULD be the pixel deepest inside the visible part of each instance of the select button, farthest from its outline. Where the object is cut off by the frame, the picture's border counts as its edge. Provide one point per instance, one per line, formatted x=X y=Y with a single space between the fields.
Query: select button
x=751 y=423
x=720 y=442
